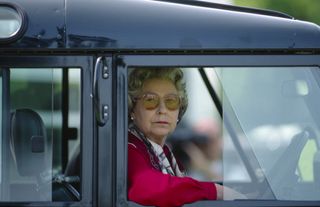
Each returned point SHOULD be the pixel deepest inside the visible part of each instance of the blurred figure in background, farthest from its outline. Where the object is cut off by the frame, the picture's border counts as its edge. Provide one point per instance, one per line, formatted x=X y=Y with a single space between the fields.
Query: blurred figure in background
x=200 y=150
x=206 y=158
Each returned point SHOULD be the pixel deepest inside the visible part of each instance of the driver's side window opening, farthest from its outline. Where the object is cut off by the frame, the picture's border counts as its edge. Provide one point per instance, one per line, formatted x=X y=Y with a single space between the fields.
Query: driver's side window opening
x=41 y=162
x=264 y=140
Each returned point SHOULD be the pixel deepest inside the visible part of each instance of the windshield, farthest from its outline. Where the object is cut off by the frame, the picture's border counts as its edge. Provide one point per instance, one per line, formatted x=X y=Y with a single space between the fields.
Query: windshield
x=271 y=123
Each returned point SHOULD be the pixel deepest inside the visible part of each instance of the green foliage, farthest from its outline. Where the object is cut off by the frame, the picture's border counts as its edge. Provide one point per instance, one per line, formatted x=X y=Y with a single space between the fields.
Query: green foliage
x=307 y=10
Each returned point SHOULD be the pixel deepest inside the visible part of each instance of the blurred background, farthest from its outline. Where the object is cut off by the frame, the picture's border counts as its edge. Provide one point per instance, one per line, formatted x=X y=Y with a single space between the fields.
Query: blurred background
x=307 y=10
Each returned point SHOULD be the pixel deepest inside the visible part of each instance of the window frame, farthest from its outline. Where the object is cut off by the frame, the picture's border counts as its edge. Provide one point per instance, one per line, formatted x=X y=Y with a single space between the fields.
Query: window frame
x=5 y=120
x=85 y=64
x=127 y=61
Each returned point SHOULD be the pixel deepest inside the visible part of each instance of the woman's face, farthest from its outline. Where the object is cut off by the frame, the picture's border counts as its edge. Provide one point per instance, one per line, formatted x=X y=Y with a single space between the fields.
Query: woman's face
x=156 y=123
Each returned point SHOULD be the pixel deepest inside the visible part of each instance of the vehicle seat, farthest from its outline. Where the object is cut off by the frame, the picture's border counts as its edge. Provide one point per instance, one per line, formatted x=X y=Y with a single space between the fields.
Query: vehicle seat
x=31 y=152
x=29 y=148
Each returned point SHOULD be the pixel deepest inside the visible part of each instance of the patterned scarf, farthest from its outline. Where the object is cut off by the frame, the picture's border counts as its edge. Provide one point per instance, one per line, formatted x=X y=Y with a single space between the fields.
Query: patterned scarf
x=161 y=163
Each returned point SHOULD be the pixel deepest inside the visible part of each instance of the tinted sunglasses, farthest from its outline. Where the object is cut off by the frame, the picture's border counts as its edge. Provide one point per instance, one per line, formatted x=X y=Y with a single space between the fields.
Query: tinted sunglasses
x=151 y=101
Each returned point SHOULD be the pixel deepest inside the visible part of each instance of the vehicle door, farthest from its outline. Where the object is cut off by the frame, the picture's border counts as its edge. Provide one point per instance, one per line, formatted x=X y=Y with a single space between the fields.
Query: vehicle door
x=47 y=130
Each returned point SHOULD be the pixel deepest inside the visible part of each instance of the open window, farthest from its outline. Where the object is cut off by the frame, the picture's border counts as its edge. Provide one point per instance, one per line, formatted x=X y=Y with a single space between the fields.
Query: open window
x=267 y=117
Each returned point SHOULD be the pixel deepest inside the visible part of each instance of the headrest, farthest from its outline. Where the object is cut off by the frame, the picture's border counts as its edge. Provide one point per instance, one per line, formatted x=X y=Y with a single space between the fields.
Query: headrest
x=28 y=142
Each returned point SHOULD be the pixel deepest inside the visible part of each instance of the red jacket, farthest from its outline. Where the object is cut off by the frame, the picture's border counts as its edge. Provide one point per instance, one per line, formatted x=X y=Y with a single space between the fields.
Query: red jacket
x=149 y=186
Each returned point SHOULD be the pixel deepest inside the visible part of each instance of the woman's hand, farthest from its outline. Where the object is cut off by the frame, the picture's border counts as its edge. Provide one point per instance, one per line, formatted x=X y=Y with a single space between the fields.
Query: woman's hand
x=225 y=193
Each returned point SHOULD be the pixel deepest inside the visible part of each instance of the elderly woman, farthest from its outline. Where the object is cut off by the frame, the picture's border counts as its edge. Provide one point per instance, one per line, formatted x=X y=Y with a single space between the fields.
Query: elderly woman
x=157 y=101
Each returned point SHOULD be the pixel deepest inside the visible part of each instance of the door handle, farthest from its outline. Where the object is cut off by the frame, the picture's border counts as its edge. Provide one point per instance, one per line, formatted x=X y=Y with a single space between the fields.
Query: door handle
x=101 y=70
